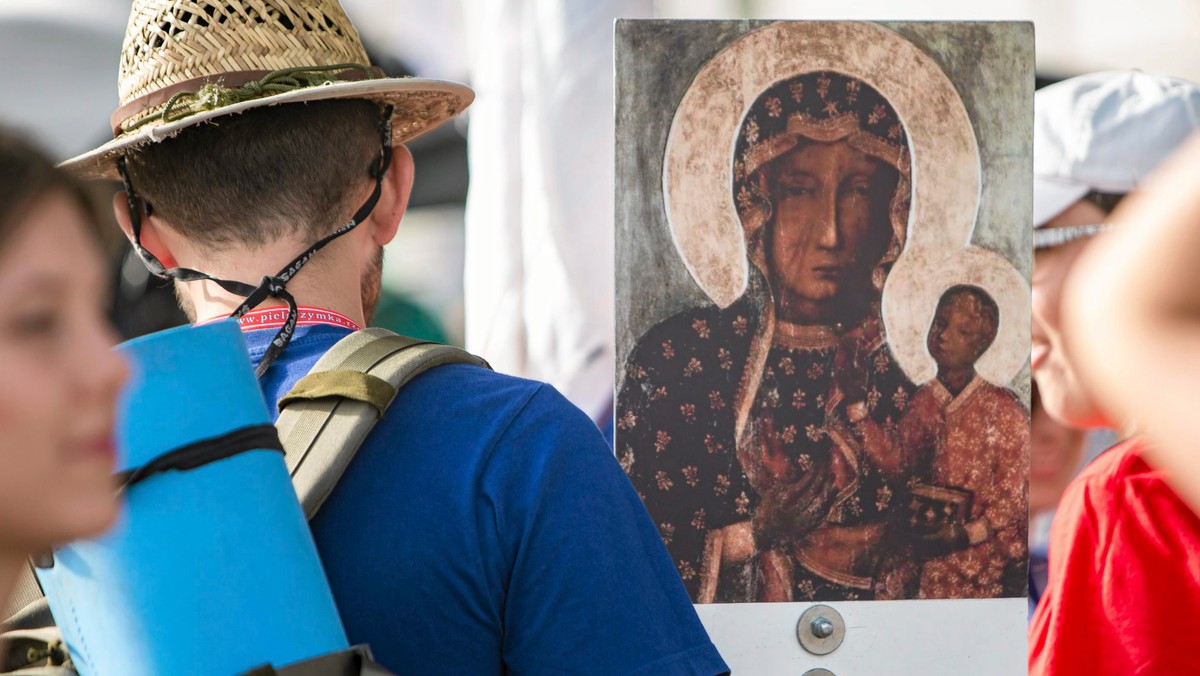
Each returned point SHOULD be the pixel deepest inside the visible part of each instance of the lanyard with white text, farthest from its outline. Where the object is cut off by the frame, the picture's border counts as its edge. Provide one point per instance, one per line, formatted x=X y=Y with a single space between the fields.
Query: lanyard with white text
x=276 y=317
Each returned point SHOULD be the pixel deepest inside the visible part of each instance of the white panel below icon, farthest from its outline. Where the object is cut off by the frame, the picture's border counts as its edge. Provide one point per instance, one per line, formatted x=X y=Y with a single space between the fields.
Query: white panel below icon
x=977 y=637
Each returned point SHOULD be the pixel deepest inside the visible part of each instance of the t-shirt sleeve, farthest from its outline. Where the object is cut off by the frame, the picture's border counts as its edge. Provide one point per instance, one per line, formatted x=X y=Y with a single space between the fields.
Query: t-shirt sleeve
x=1124 y=559
x=1063 y=625
x=591 y=588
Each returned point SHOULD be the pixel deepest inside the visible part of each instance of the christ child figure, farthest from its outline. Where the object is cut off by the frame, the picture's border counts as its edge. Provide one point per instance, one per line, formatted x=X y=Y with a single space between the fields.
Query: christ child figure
x=975 y=461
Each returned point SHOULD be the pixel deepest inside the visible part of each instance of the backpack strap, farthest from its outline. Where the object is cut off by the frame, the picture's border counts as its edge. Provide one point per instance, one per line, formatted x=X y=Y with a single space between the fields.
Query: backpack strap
x=30 y=643
x=329 y=412
x=26 y=592
x=356 y=661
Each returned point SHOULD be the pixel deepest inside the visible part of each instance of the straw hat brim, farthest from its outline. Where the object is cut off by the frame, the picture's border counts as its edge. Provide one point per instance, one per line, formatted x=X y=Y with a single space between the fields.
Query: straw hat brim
x=420 y=106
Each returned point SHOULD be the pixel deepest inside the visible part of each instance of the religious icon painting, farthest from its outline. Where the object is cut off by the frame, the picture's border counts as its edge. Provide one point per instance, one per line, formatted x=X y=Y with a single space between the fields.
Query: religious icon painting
x=823 y=255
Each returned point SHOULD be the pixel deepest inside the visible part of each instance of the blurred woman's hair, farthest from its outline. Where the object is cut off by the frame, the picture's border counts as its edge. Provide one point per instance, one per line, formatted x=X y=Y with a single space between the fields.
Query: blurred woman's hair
x=26 y=175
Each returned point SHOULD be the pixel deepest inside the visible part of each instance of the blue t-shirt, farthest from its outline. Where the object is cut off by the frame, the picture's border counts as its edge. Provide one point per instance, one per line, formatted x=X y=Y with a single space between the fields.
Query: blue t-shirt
x=484 y=527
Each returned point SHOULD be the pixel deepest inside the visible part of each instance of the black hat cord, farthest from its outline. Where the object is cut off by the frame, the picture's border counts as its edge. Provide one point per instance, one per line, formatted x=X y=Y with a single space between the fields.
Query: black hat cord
x=269 y=286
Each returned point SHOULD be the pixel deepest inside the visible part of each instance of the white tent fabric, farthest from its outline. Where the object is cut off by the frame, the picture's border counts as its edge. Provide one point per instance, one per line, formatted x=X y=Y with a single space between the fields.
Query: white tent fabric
x=539 y=258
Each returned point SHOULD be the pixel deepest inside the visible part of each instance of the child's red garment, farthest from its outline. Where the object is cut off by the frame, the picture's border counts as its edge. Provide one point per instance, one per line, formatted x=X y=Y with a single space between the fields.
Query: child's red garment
x=1124 y=588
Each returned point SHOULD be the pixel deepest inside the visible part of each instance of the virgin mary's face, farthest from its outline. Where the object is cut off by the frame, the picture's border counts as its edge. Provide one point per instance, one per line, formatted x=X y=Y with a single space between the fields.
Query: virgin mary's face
x=831 y=225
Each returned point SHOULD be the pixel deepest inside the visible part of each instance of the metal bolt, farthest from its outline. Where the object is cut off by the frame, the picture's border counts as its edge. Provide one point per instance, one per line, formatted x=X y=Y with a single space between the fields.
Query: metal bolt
x=820 y=630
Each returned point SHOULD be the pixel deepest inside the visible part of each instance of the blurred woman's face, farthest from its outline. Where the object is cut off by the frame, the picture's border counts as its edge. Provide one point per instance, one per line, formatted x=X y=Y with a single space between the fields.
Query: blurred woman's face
x=1056 y=451
x=59 y=381
x=1063 y=394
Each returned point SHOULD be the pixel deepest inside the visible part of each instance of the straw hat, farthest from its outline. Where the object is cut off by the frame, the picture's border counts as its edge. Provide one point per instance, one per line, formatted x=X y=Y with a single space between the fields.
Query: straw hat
x=184 y=62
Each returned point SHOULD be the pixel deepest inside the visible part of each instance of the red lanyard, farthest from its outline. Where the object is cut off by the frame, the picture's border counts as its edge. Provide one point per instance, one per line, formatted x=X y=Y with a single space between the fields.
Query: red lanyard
x=274 y=318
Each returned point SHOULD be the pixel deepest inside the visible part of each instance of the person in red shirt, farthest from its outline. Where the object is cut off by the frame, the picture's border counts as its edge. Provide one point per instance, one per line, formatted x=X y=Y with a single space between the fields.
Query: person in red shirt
x=1123 y=589
x=1124 y=579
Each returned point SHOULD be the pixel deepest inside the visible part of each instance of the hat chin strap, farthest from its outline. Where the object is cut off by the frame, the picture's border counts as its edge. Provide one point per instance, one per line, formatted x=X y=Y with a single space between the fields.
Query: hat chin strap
x=270 y=286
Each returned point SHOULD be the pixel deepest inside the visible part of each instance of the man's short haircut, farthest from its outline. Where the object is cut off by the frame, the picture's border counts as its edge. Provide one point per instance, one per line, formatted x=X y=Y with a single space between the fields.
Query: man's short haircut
x=985 y=305
x=254 y=177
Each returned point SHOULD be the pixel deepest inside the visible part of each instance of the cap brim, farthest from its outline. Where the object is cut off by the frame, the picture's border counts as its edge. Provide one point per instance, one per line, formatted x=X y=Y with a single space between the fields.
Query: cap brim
x=421 y=105
x=1051 y=197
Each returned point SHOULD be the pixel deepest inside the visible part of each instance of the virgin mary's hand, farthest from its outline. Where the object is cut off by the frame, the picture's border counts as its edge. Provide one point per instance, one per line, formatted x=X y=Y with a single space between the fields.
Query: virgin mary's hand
x=791 y=510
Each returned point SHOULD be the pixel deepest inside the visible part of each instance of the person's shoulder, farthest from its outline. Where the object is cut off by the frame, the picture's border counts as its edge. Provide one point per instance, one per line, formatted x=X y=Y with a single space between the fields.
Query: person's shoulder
x=470 y=374
x=701 y=321
x=1114 y=466
x=701 y=343
x=679 y=323
x=1091 y=490
x=1006 y=409
x=1002 y=396
x=464 y=395
x=1133 y=513
x=454 y=387
x=1114 y=484
x=1140 y=487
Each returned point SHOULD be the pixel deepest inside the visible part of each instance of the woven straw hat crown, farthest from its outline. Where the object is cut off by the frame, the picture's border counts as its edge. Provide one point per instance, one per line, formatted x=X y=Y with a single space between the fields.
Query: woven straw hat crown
x=184 y=62
x=168 y=42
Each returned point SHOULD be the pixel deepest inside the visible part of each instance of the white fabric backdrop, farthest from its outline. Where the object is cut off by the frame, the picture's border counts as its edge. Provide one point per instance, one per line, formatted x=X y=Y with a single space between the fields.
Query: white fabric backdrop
x=539 y=252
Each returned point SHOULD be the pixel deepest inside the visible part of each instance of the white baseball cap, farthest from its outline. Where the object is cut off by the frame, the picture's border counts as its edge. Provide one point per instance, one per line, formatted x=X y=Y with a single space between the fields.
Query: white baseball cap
x=1105 y=132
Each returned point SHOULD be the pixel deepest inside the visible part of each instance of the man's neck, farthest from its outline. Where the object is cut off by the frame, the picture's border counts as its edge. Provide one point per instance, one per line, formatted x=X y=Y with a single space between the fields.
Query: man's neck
x=324 y=282
x=219 y=308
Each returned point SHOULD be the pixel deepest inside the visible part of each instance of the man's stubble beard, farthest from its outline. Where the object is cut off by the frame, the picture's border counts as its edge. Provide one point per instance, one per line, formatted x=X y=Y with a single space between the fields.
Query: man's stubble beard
x=372 y=281
x=370 y=285
x=185 y=301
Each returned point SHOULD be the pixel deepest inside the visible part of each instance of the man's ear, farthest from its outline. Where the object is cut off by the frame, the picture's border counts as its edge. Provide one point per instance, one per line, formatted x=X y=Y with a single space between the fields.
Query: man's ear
x=393 y=199
x=151 y=240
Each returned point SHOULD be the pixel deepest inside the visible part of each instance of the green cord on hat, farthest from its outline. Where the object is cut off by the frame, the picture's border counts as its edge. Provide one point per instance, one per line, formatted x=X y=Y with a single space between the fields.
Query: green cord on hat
x=212 y=96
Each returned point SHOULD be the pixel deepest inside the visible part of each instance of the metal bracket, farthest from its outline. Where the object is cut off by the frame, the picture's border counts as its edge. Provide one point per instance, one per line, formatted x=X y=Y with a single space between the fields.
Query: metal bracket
x=821 y=630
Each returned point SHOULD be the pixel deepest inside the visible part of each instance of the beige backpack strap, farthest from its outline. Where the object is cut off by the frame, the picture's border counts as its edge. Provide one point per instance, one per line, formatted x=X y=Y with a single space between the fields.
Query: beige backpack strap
x=25 y=593
x=329 y=412
x=29 y=641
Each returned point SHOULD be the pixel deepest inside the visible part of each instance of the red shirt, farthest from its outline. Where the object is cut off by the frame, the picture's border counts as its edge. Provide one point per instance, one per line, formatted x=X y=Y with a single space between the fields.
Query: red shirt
x=1124 y=584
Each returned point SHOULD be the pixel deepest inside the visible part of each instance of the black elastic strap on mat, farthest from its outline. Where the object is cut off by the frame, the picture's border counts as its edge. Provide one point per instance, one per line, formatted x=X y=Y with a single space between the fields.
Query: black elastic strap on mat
x=206 y=451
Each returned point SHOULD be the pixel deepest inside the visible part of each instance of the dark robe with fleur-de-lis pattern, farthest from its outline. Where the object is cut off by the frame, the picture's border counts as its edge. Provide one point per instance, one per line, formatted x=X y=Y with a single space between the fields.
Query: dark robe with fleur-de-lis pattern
x=676 y=422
